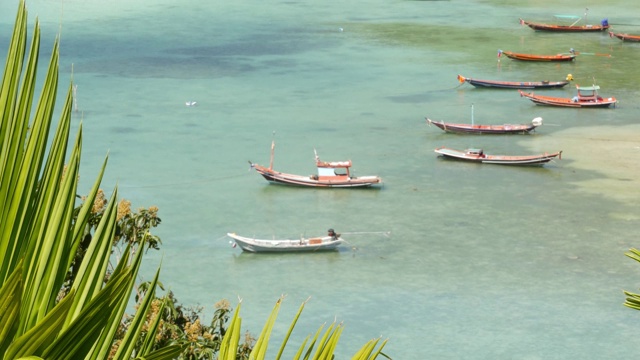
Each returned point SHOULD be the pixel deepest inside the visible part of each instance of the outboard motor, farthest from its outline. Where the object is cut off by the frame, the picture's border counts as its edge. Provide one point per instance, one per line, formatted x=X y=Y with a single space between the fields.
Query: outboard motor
x=604 y=22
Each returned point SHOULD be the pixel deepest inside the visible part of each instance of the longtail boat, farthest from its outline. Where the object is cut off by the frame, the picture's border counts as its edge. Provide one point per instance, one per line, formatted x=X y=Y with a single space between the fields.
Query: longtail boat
x=330 y=174
x=587 y=97
x=497 y=84
x=542 y=58
x=604 y=25
x=478 y=156
x=316 y=244
x=625 y=37
x=487 y=129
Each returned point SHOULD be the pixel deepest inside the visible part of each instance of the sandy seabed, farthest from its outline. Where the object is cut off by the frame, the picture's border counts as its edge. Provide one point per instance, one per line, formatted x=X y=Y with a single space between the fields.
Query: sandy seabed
x=612 y=151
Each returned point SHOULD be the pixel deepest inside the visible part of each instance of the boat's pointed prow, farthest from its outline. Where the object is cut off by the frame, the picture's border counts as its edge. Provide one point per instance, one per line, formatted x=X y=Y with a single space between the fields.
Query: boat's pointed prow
x=461 y=79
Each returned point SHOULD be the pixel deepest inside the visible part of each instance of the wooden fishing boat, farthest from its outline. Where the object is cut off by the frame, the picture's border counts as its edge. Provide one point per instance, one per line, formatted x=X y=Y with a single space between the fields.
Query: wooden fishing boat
x=497 y=84
x=625 y=37
x=604 y=25
x=330 y=174
x=587 y=97
x=478 y=155
x=539 y=58
x=316 y=244
x=487 y=129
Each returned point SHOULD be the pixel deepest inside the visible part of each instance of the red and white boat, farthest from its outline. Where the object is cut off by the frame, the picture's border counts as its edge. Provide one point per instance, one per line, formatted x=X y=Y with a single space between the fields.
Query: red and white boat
x=487 y=129
x=573 y=27
x=500 y=84
x=604 y=25
x=478 y=155
x=330 y=174
x=587 y=97
x=539 y=58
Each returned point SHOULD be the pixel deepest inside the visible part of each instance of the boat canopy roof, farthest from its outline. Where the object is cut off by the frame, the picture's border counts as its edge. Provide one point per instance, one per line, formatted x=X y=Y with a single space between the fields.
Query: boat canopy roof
x=588 y=88
x=333 y=164
x=566 y=16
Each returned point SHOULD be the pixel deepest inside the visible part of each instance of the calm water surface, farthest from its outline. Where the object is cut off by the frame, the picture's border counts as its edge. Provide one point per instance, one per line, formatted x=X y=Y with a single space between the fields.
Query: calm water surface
x=482 y=261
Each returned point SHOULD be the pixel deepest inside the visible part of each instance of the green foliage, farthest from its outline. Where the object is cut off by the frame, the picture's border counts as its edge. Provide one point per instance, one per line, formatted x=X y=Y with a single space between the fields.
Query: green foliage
x=633 y=299
x=41 y=229
x=324 y=346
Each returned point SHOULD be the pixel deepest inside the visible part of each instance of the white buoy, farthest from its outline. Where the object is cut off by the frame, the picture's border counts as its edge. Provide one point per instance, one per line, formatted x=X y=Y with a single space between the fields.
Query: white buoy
x=537 y=121
x=191 y=103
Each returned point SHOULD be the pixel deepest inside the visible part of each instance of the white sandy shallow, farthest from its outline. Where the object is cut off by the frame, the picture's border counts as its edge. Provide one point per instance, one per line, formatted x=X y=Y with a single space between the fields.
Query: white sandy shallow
x=614 y=152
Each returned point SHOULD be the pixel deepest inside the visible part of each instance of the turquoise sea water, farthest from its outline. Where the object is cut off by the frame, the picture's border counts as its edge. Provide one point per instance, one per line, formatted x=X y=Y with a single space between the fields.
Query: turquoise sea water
x=482 y=261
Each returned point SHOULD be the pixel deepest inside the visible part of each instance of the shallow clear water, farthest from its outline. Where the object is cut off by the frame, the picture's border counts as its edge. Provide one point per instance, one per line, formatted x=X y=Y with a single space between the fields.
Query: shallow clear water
x=482 y=261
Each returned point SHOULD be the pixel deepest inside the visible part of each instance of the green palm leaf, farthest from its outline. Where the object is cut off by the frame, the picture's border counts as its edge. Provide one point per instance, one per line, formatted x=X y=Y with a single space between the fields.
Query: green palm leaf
x=93 y=268
x=11 y=143
x=128 y=344
x=260 y=349
x=288 y=335
x=37 y=338
x=229 y=345
x=81 y=335
x=149 y=340
x=10 y=297
x=37 y=197
x=166 y=353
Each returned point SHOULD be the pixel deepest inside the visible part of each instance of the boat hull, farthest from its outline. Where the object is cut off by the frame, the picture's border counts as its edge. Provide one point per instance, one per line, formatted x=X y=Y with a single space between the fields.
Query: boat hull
x=276 y=177
x=318 y=244
x=539 y=58
x=569 y=102
x=495 y=84
x=483 y=129
x=480 y=157
x=564 y=28
x=625 y=37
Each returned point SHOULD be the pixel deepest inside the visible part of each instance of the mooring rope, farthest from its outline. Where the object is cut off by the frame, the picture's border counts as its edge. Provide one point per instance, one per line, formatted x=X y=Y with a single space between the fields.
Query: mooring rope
x=385 y=233
x=201 y=181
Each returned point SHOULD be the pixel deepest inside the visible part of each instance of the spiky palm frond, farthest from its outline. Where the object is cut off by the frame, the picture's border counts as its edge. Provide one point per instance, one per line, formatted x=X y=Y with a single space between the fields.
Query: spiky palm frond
x=39 y=233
